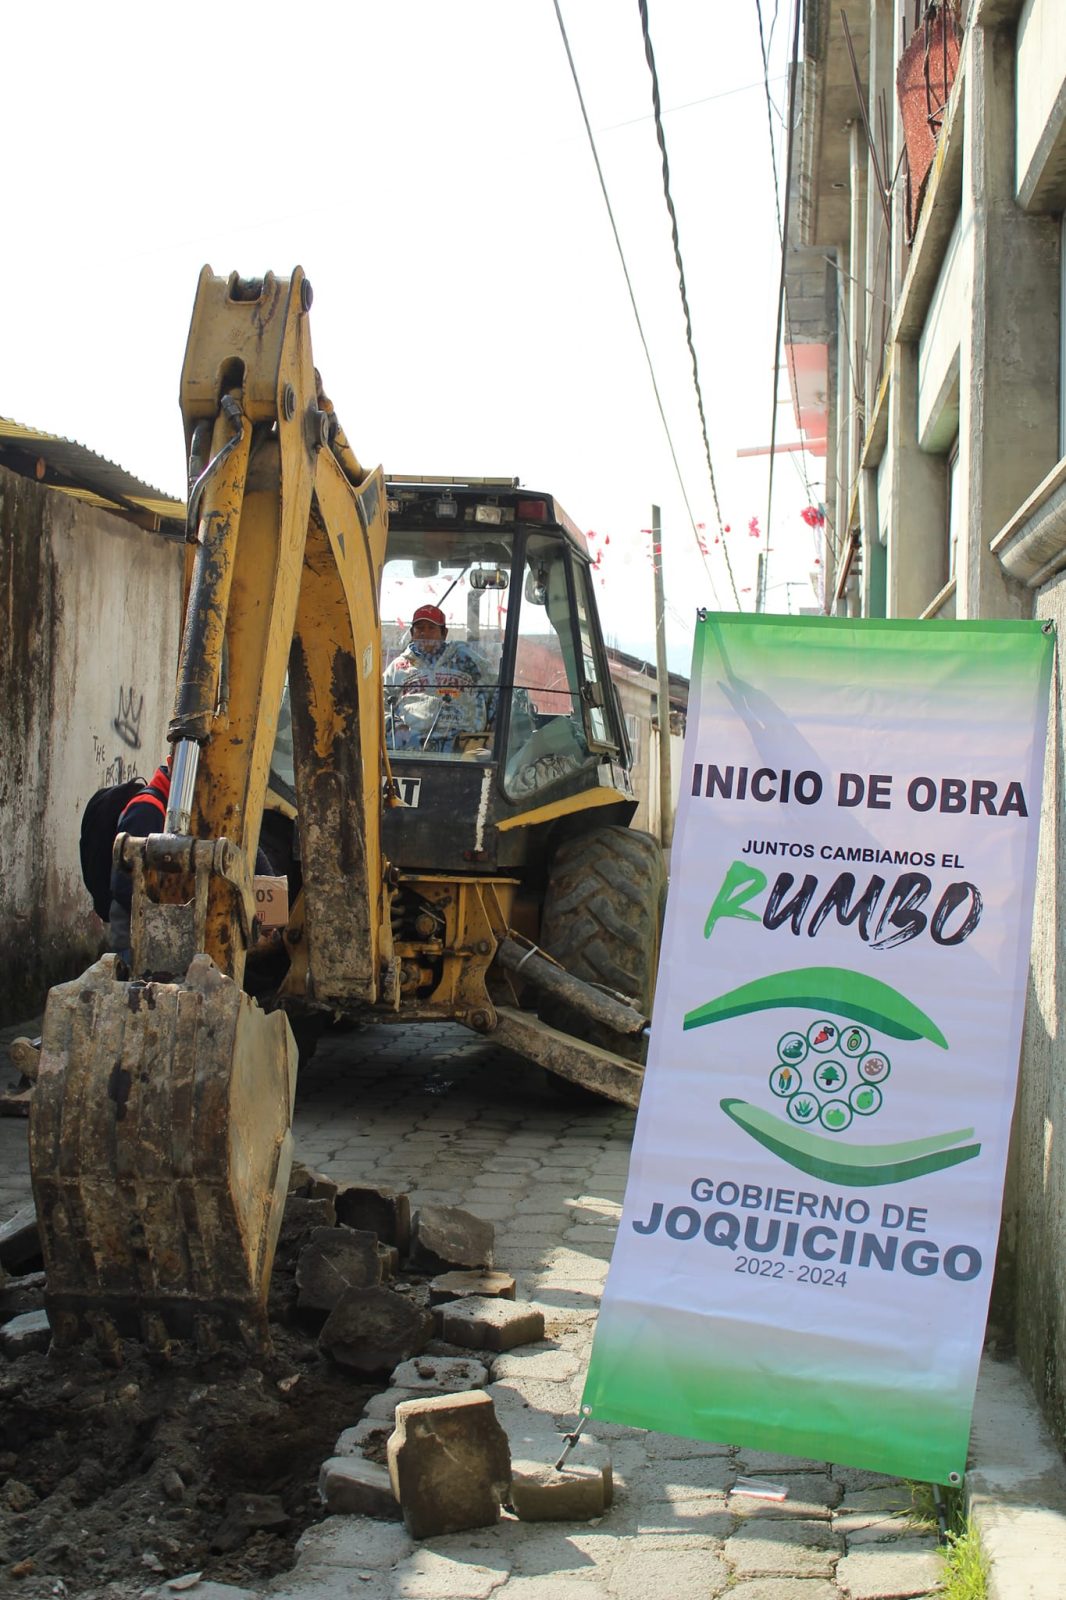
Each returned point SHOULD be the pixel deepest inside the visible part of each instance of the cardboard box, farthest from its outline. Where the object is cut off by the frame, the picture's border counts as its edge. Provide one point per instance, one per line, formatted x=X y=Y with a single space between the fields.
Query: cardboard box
x=271 y=901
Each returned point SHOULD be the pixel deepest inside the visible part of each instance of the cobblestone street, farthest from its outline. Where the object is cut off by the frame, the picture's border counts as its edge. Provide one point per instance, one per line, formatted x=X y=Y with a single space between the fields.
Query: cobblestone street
x=440 y=1113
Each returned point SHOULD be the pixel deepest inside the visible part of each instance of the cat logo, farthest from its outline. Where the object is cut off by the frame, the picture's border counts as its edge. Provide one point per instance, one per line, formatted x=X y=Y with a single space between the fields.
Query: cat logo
x=406 y=790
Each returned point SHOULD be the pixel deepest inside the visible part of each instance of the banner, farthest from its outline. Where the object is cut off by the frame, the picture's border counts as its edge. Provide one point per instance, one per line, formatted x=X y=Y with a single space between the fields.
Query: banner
x=809 y=1231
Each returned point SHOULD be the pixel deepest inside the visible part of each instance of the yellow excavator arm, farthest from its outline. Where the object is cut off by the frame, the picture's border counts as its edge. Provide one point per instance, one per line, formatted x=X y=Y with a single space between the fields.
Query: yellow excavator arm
x=160 y=1134
x=289 y=539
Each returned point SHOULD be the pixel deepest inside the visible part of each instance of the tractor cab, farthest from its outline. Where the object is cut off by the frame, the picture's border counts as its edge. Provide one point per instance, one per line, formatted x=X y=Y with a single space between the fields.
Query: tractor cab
x=518 y=683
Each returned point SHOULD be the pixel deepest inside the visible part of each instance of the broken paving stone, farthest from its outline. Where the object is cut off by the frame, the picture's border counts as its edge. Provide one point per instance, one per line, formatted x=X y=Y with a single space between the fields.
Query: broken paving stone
x=540 y=1491
x=356 y=1487
x=20 y=1241
x=245 y=1513
x=449 y=1463
x=478 y=1323
x=382 y=1406
x=308 y=1184
x=30 y=1331
x=368 y=1438
x=443 y=1237
x=322 y=1188
x=457 y=1285
x=301 y=1217
x=370 y=1331
x=202 y=1590
x=333 y=1260
x=441 y=1374
x=386 y=1212
x=299 y=1179
x=20 y=1294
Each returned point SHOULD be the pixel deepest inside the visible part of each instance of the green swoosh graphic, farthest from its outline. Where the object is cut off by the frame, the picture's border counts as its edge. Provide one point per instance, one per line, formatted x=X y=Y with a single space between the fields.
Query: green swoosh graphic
x=858 y=1165
x=838 y=990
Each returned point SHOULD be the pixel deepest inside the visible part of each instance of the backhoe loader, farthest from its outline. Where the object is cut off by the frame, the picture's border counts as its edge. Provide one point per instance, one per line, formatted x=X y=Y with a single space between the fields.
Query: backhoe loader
x=453 y=850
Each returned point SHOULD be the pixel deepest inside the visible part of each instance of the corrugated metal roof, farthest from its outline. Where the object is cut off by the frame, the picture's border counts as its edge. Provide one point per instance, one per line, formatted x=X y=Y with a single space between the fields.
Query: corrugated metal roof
x=73 y=469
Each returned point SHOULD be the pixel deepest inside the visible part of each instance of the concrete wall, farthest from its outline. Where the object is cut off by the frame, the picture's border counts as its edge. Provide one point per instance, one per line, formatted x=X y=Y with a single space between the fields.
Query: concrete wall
x=1032 y=1259
x=91 y=609
x=1041 y=96
x=938 y=351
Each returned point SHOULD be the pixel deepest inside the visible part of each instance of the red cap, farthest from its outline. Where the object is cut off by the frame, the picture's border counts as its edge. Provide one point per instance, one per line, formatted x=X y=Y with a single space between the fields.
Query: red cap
x=429 y=614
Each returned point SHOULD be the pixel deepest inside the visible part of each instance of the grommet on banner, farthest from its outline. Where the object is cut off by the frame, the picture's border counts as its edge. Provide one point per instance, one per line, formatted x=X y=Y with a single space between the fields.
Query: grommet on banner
x=572 y=1438
x=701 y=613
x=1048 y=626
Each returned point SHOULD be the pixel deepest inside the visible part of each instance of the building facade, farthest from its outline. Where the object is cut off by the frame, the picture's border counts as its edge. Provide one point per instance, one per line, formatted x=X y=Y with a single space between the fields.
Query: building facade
x=638 y=694
x=90 y=589
x=930 y=179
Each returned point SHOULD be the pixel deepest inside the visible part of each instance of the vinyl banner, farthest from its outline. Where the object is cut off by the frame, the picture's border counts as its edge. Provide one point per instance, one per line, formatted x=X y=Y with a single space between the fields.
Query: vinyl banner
x=810 y=1225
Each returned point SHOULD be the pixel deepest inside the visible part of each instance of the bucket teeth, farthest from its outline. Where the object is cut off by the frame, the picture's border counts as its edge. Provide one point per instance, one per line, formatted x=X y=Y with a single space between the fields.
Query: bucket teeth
x=106 y=1337
x=157 y=1340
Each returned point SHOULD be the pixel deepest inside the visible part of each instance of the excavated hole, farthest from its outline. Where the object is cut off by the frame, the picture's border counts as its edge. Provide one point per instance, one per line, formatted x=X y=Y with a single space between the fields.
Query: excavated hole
x=114 y=1480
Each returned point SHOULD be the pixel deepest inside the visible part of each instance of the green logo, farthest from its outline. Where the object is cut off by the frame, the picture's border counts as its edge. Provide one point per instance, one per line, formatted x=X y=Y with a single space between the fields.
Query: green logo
x=845 y=1070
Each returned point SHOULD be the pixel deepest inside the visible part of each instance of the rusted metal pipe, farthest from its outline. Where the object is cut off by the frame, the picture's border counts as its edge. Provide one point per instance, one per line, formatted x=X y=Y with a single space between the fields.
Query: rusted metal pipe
x=200 y=667
x=541 y=973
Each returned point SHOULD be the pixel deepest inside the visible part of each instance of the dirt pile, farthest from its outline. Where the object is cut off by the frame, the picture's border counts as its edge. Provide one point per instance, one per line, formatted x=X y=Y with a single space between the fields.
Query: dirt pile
x=113 y=1480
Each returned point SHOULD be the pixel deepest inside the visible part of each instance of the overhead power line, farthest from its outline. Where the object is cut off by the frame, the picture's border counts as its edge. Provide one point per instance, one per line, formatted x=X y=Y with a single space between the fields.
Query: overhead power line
x=764 y=47
x=793 y=68
x=660 y=135
x=690 y=105
x=636 y=313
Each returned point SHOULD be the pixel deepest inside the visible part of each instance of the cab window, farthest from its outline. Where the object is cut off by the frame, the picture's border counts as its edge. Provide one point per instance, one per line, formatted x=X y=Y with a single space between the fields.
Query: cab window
x=546 y=733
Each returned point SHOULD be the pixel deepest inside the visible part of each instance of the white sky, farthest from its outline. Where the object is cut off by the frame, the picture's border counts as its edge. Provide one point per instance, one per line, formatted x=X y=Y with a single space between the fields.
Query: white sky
x=427 y=165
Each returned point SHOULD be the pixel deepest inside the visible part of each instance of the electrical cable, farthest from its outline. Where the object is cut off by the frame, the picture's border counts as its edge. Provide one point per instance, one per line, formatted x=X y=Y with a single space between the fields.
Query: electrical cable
x=793 y=69
x=690 y=105
x=764 y=46
x=661 y=137
x=633 y=303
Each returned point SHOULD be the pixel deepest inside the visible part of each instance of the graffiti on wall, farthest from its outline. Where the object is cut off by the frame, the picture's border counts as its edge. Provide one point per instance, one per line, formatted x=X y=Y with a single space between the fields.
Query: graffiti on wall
x=127 y=722
x=112 y=769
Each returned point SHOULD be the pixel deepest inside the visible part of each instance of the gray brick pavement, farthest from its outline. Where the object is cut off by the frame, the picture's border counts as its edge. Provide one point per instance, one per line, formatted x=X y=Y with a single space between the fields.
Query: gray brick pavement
x=438 y=1112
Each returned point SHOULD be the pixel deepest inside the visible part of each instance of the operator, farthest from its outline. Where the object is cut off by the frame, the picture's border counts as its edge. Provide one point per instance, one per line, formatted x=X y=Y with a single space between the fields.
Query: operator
x=433 y=689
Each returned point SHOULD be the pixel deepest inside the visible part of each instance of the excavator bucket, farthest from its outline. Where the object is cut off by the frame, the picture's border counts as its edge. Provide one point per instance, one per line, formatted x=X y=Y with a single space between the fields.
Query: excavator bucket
x=160 y=1145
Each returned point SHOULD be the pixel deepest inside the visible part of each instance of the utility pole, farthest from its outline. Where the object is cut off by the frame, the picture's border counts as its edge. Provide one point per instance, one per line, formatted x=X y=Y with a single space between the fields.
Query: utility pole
x=666 y=819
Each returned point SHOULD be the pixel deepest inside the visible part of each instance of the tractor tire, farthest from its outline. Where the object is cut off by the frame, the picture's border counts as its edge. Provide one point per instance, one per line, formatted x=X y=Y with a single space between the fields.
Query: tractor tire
x=602 y=921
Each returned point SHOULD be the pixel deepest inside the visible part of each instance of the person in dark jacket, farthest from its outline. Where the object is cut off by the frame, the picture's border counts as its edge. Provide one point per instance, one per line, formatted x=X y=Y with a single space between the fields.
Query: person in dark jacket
x=145 y=814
